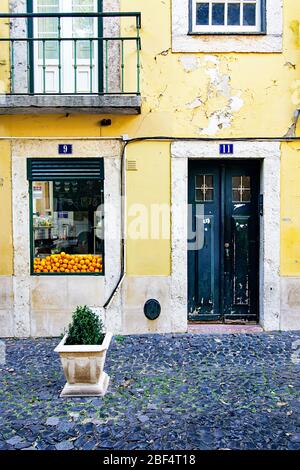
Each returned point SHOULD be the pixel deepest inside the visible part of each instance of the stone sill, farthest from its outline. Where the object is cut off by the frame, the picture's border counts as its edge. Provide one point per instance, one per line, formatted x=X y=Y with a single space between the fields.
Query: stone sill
x=79 y=104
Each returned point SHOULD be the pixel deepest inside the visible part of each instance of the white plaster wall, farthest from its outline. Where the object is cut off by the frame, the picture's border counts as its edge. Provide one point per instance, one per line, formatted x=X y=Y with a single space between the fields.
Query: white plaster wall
x=43 y=304
x=269 y=153
x=182 y=42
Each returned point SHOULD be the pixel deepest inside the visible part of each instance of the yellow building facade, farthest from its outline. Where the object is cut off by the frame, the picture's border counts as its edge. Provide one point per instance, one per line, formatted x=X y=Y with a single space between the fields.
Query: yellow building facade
x=194 y=120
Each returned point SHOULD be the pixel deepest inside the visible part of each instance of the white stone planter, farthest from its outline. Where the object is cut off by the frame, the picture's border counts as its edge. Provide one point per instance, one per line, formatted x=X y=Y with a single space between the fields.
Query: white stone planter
x=83 y=368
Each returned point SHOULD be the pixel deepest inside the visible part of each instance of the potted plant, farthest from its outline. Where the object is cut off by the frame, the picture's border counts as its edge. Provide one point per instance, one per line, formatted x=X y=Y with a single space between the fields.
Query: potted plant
x=83 y=352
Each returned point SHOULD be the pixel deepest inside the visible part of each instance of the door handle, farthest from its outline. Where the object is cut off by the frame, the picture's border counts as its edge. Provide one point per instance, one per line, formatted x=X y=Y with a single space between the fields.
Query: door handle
x=227 y=252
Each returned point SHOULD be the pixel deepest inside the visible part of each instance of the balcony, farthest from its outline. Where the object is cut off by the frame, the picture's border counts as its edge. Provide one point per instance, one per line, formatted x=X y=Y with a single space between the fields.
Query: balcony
x=54 y=63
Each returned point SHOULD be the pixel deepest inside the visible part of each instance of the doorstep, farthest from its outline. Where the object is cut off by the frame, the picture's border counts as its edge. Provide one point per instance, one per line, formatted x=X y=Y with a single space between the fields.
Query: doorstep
x=220 y=329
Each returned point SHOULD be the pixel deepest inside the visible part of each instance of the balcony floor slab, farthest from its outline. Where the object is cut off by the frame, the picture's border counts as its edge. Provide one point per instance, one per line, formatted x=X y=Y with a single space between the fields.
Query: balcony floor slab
x=75 y=104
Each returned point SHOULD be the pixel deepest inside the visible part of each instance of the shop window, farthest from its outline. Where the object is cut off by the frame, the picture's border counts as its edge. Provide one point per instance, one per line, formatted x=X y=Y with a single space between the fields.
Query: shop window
x=227 y=16
x=67 y=216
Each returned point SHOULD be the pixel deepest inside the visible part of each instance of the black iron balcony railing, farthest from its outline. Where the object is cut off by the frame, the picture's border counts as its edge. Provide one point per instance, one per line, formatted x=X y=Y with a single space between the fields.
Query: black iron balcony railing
x=70 y=54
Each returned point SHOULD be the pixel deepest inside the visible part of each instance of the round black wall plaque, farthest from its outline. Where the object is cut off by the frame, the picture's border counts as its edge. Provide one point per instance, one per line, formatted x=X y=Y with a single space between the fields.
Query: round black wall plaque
x=152 y=309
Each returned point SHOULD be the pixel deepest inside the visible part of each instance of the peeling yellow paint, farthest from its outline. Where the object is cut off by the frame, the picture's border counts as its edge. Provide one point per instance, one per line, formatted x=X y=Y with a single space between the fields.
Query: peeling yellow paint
x=295 y=28
x=296 y=92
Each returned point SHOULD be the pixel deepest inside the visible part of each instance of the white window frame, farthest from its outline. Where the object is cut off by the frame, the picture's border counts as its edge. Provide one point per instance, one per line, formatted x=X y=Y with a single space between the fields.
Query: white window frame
x=184 y=40
x=67 y=58
x=227 y=29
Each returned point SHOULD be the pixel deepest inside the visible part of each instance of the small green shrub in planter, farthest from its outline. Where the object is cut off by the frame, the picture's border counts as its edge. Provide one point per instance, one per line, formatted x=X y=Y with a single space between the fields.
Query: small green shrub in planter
x=82 y=351
x=85 y=328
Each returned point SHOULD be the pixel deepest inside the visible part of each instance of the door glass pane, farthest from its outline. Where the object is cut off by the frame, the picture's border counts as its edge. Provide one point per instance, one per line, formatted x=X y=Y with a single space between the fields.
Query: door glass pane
x=209 y=195
x=48 y=28
x=83 y=28
x=218 y=13
x=199 y=181
x=209 y=180
x=204 y=188
x=199 y=195
x=202 y=14
x=241 y=189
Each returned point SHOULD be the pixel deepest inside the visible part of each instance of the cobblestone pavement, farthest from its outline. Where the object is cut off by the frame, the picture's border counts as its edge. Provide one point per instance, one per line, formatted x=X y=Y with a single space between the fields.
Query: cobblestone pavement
x=167 y=392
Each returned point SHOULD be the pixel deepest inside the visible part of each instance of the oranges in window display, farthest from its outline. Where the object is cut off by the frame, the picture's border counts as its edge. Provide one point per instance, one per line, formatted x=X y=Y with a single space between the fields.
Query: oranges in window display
x=65 y=263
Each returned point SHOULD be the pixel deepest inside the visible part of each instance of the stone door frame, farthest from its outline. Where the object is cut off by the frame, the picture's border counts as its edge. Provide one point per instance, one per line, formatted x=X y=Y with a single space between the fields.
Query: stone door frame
x=269 y=259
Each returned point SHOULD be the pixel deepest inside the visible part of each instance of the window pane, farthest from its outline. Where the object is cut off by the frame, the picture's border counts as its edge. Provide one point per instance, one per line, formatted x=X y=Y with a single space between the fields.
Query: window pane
x=83 y=28
x=209 y=181
x=47 y=6
x=204 y=188
x=236 y=181
x=246 y=182
x=246 y=195
x=48 y=28
x=68 y=227
x=209 y=195
x=241 y=189
x=83 y=5
x=234 y=11
x=218 y=13
x=249 y=14
x=236 y=196
x=202 y=14
x=199 y=181
x=199 y=195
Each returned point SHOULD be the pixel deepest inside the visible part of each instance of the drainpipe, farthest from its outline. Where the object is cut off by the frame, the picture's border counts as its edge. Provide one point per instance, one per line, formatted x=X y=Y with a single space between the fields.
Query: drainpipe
x=123 y=225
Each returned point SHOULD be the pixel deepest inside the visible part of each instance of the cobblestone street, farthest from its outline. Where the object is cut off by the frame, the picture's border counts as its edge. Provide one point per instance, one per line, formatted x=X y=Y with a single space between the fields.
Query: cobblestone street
x=167 y=392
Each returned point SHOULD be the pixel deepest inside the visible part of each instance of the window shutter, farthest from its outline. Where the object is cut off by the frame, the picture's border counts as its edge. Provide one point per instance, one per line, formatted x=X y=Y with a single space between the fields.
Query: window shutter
x=49 y=169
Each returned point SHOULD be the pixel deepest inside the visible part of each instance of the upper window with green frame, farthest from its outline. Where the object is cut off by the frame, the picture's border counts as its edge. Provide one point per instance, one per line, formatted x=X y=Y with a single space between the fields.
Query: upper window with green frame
x=66 y=216
x=227 y=16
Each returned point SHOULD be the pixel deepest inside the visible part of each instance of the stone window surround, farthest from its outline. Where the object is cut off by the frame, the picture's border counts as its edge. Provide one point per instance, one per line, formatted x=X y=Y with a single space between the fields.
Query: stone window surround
x=23 y=282
x=269 y=269
x=183 y=41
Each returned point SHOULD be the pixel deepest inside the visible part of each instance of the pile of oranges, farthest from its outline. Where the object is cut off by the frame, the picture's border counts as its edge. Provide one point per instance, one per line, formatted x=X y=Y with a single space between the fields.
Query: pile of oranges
x=64 y=263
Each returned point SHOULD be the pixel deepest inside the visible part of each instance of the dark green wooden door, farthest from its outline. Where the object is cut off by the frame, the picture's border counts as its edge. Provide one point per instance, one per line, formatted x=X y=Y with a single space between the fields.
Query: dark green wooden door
x=223 y=247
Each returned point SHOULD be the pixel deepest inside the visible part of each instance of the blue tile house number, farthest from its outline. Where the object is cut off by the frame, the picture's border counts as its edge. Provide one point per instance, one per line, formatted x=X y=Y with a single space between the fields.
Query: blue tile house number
x=226 y=149
x=65 y=149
